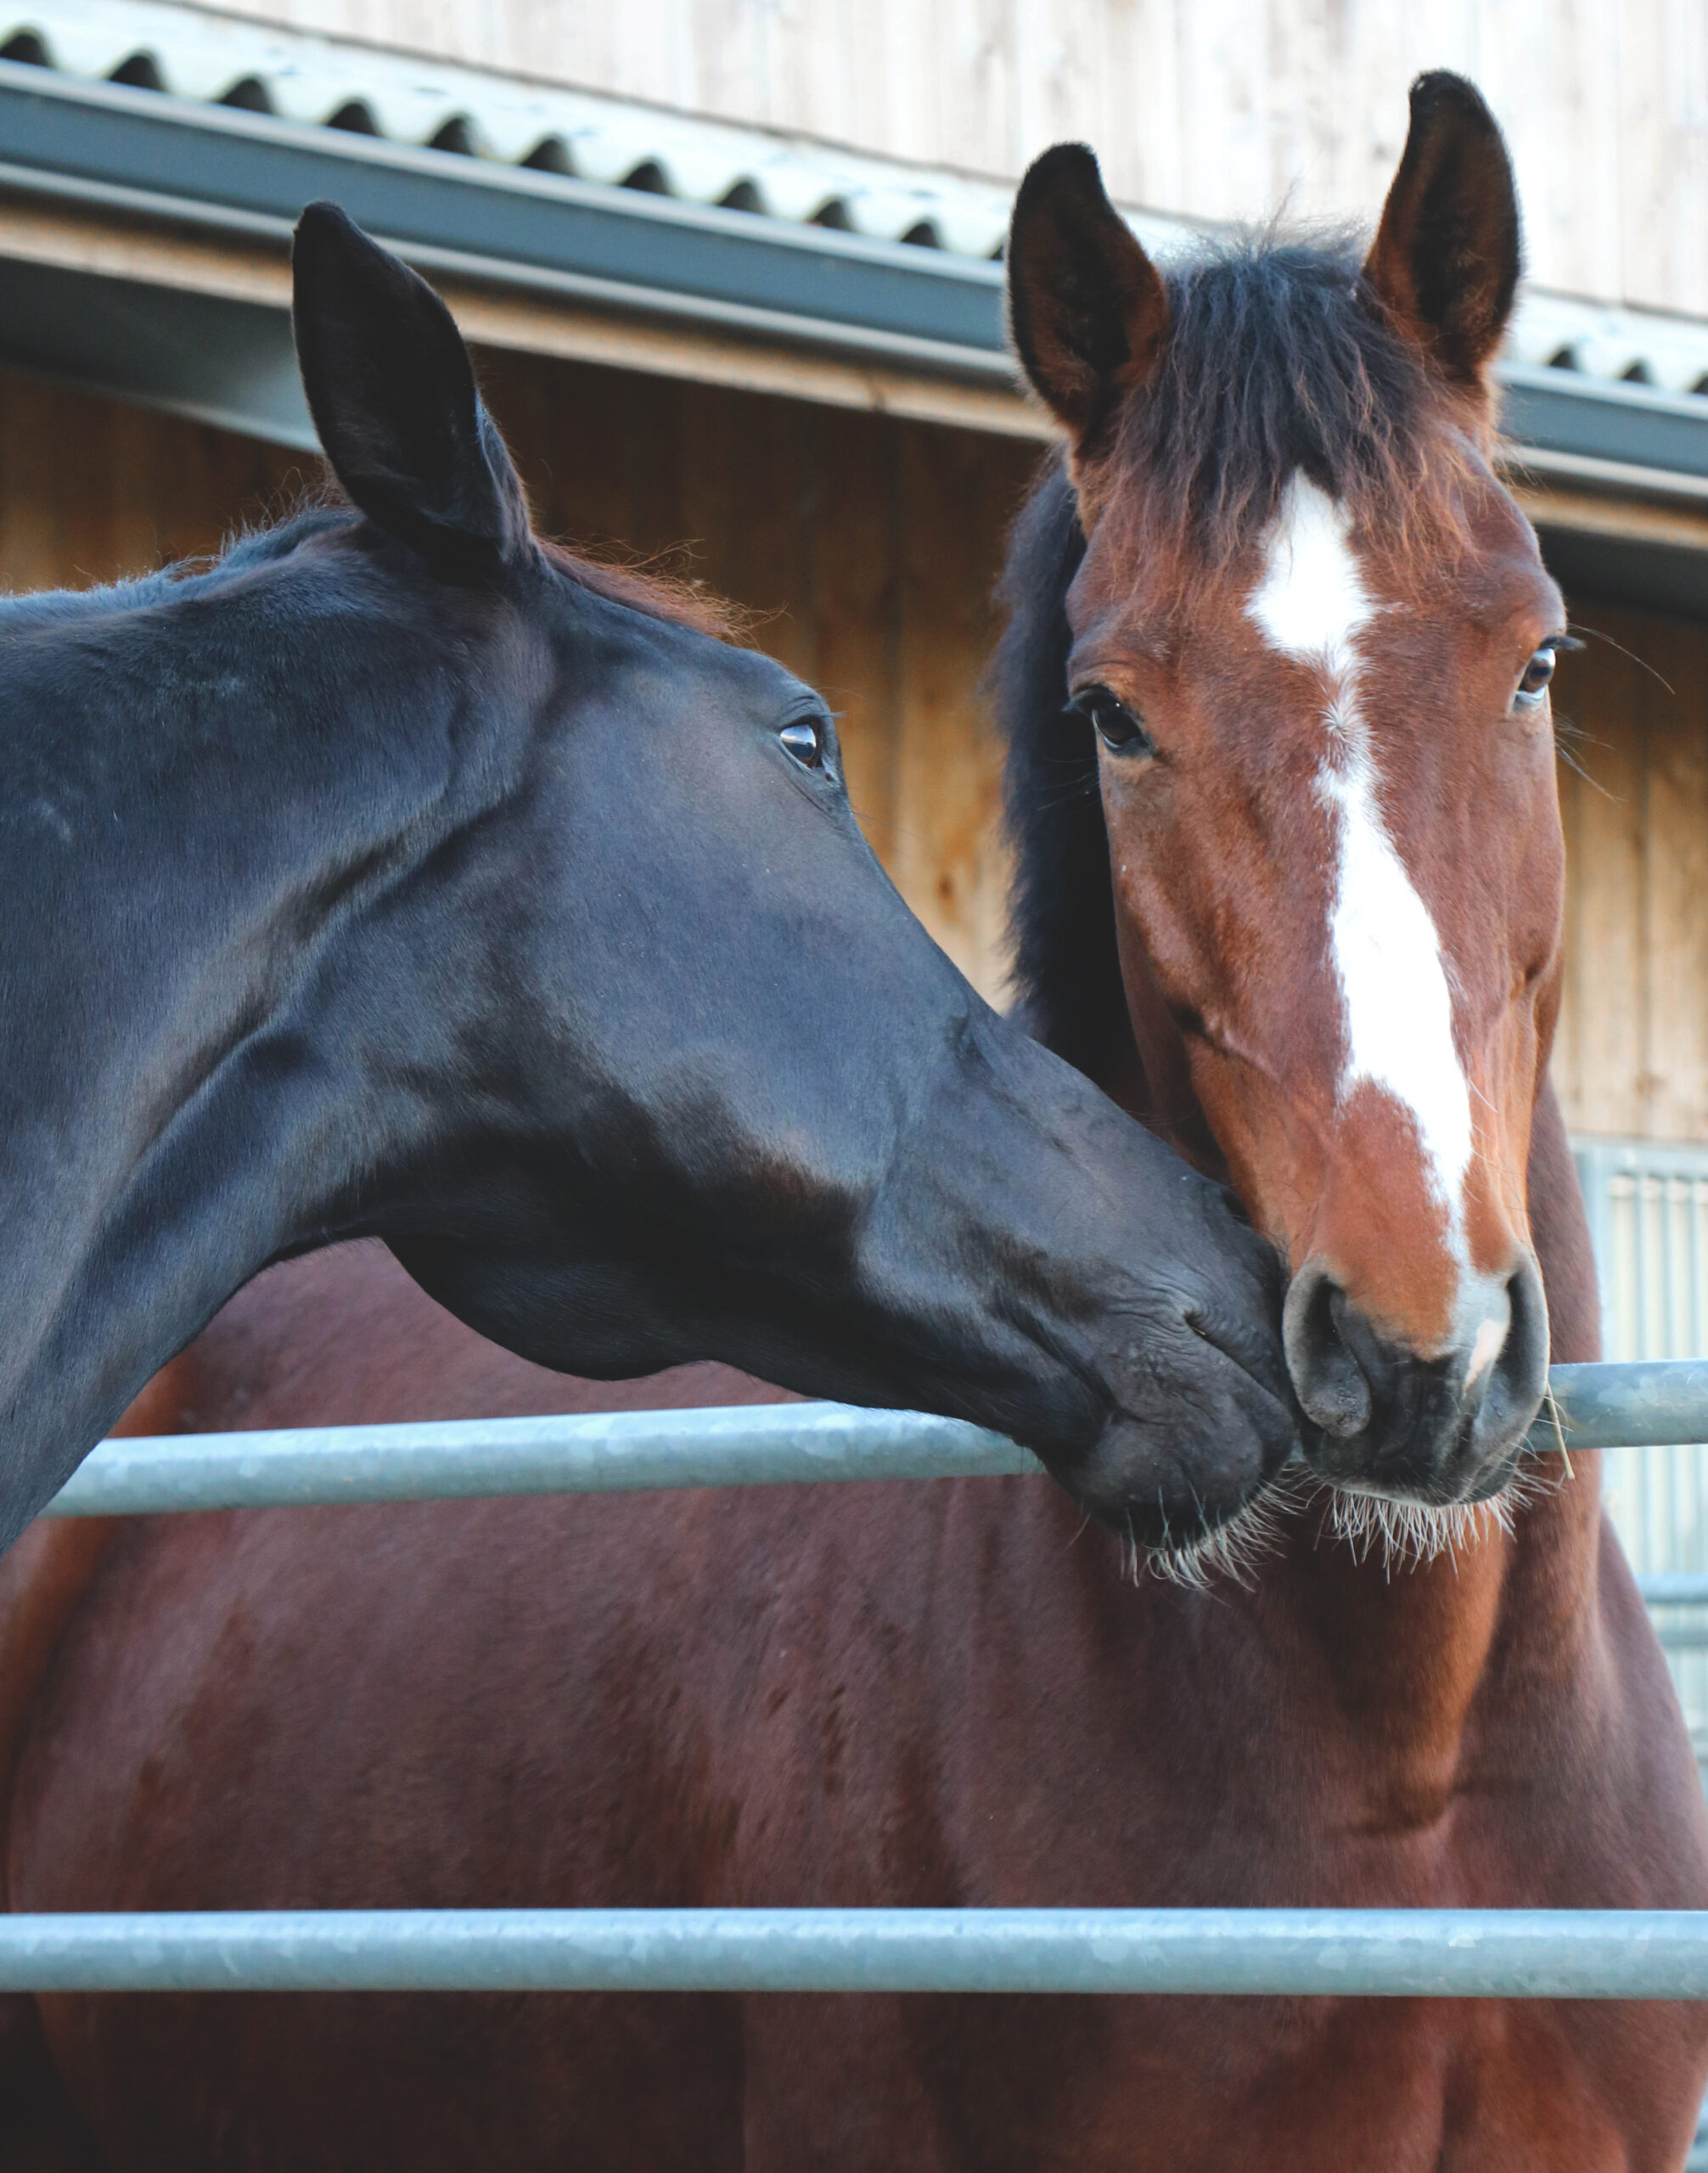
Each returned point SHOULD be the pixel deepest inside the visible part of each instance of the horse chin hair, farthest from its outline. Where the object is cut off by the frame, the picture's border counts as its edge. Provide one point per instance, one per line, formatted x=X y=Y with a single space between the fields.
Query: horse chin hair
x=1235 y=1550
x=1400 y=1535
x=1403 y=1534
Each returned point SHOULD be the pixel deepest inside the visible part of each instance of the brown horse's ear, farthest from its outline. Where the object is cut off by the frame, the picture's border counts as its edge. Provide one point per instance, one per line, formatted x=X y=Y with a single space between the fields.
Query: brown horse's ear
x=1447 y=257
x=1086 y=307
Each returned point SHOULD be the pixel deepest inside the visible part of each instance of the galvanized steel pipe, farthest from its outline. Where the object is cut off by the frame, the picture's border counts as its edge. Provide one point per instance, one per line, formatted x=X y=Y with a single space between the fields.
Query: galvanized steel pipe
x=1447 y=1953
x=756 y=1445
x=598 y=1452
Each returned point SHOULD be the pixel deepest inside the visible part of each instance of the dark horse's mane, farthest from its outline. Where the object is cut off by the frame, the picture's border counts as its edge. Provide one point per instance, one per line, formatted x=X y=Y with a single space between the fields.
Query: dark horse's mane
x=639 y=586
x=1278 y=359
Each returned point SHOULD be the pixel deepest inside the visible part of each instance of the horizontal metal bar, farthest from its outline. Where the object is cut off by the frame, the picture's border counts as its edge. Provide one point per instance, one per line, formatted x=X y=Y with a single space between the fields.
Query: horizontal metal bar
x=927 y=308
x=1632 y=422
x=214 y=158
x=990 y=365
x=742 y=1444
x=1604 y=478
x=1638 y=1407
x=1678 y=1590
x=1430 y=1953
x=755 y=1445
x=1675 y=1588
x=216 y=360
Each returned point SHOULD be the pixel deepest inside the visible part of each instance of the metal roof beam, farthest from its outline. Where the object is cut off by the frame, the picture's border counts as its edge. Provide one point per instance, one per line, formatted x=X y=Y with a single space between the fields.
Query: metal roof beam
x=546 y=263
x=238 y=173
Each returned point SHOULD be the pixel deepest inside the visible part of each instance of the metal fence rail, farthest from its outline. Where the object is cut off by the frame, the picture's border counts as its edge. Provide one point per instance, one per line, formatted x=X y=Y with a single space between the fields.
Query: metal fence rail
x=743 y=1444
x=1512 y=1954
x=1421 y=1953
x=758 y=1444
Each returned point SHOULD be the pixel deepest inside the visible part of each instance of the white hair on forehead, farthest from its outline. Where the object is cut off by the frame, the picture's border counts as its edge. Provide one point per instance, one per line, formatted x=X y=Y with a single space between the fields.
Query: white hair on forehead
x=1312 y=602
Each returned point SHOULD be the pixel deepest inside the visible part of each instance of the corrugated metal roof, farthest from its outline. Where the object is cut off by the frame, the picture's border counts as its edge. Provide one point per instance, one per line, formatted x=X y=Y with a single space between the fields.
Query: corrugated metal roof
x=412 y=100
x=406 y=99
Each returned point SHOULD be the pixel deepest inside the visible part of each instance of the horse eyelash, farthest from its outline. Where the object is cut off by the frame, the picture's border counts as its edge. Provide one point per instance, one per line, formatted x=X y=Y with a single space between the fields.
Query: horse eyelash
x=1595 y=633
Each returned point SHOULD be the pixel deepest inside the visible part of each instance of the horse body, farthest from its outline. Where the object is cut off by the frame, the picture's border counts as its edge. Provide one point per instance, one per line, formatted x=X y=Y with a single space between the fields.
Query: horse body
x=944 y=1693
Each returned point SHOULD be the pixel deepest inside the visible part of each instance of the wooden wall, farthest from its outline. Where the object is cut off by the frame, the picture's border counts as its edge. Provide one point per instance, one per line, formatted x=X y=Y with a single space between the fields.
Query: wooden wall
x=872 y=544
x=869 y=544
x=1632 y=1055
x=1215 y=109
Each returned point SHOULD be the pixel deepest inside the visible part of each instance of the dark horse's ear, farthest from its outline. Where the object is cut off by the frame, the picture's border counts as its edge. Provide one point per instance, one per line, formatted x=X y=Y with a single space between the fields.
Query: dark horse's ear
x=1087 y=306
x=392 y=393
x=1445 y=260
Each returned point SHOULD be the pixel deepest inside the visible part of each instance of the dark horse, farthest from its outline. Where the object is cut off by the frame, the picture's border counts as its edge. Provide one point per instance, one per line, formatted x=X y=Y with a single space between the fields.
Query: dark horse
x=400 y=875
x=1312 y=637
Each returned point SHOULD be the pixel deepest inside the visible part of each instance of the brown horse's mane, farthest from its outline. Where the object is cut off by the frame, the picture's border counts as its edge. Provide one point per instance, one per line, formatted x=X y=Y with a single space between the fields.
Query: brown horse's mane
x=1066 y=973
x=1277 y=358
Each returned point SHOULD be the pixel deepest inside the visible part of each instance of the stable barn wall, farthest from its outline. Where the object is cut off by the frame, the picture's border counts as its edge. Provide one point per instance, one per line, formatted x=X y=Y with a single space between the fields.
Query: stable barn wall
x=1212 y=108
x=871 y=546
x=1631 y=1058
x=868 y=547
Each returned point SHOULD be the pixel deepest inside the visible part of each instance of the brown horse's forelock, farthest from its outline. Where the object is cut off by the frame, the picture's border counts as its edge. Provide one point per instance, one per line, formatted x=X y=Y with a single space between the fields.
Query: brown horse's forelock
x=1279 y=358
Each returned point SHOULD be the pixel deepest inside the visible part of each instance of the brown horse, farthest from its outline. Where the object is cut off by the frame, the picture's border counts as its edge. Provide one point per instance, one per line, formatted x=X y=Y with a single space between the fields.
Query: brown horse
x=1313 y=637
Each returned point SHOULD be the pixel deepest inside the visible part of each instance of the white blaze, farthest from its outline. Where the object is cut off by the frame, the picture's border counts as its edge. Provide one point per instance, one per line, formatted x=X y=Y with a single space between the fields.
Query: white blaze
x=1312 y=604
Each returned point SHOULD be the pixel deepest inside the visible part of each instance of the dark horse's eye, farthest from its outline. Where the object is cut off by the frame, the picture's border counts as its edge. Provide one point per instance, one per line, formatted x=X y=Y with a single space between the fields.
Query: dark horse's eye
x=1533 y=685
x=803 y=740
x=1120 y=730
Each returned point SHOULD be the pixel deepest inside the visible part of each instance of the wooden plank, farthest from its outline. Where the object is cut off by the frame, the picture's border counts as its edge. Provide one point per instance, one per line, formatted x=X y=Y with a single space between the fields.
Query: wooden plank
x=490 y=315
x=751 y=488
x=1551 y=68
x=1676 y=873
x=1633 y=1049
x=1144 y=125
x=948 y=858
x=1567 y=1068
x=91 y=490
x=1662 y=177
x=856 y=612
x=1215 y=109
x=1606 y=996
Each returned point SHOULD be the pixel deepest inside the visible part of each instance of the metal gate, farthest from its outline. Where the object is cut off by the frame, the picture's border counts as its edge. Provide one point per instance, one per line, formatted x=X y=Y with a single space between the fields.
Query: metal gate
x=1501 y=1953
x=1648 y=1208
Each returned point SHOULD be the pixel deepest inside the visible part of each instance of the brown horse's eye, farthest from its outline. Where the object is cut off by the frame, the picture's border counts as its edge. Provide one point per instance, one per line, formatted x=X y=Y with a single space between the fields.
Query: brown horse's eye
x=1120 y=728
x=804 y=741
x=1534 y=683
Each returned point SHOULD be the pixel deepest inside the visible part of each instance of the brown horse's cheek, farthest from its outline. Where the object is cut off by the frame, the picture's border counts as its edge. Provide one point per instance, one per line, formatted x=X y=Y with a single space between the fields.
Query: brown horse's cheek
x=1504 y=1088
x=1275 y=1157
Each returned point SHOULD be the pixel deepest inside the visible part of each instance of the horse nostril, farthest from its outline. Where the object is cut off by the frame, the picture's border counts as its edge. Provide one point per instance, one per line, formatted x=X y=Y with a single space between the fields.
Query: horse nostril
x=1331 y=1385
x=1518 y=1372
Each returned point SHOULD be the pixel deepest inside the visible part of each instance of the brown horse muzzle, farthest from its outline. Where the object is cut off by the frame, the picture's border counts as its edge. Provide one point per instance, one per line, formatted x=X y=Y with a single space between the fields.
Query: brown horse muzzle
x=1437 y=1428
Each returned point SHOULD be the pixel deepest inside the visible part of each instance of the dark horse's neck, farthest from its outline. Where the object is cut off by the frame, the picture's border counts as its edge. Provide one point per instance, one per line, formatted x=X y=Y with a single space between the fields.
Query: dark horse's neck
x=187 y=1098
x=1415 y=1646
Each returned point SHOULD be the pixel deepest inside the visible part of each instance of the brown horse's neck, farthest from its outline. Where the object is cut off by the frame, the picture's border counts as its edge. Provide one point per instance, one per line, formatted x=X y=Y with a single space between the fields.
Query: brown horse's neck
x=1412 y=1656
